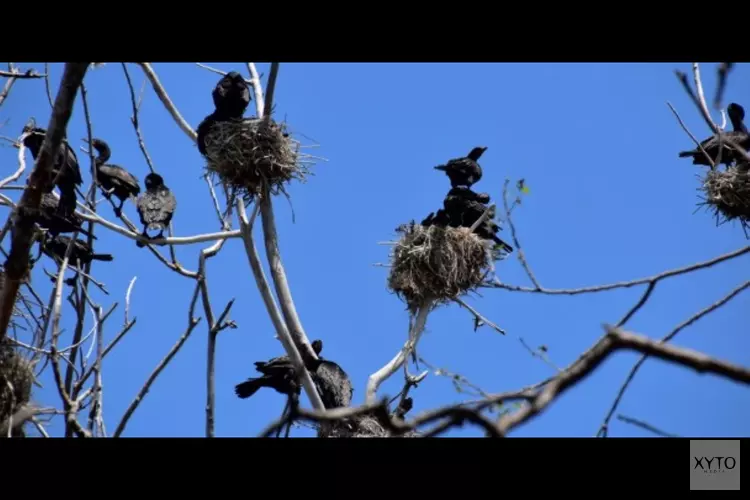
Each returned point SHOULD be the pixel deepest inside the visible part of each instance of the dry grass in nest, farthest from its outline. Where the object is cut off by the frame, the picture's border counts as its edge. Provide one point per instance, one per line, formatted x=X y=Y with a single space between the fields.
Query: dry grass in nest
x=437 y=264
x=365 y=426
x=728 y=193
x=244 y=153
x=16 y=379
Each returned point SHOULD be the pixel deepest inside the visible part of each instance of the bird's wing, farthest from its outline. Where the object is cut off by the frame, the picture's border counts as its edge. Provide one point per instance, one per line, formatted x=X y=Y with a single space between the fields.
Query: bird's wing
x=118 y=173
x=169 y=200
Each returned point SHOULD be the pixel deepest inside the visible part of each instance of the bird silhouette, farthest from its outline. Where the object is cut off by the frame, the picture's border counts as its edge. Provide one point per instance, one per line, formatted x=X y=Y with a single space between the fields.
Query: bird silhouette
x=66 y=173
x=464 y=171
x=464 y=208
x=81 y=253
x=231 y=95
x=278 y=374
x=156 y=206
x=739 y=135
x=113 y=179
x=49 y=218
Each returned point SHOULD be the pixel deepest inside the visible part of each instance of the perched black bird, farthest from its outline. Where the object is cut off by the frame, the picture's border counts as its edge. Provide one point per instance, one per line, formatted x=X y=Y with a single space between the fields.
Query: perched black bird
x=464 y=171
x=156 y=206
x=739 y=135
x=439 y=218
x=80 y=254
x=464 y=208
x=332 y=382
x=279 y=374
x=231 y=96
x=113 y=179
x=48 y=218
x=65 y=168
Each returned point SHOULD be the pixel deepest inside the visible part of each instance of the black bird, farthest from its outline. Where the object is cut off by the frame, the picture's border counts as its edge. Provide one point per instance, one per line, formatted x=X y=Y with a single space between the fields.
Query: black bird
x=464 y=171
x=279 y=374
x=113 y=179
x=81 y=253
x=439 y=218
x=156 y=206
x=464 y=208
x=331 y=381
x=65 y=168
x=231 y=96
x=49 y=218
x=739 y=135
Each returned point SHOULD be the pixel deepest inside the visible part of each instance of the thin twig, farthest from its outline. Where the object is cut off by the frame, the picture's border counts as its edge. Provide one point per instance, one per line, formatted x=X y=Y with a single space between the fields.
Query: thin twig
x=614 y=340
x=605 y=424
x=646 y=426
x=625 y=284
x=164 y=98
x=134 y=120
x=192 y=323
x=516 y=243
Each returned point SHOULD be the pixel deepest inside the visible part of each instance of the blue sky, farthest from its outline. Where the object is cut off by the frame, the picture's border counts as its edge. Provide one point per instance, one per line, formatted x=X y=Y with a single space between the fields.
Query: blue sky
x=609 y=201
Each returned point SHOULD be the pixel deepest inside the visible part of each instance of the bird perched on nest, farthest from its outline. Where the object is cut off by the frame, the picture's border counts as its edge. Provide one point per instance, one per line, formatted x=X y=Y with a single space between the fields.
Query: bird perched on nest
x=464 y=171
x=49 y=218
x=66 y=173
x=231 y=98
x=464 y=207
x=113 y=179
x=739 y=135
x=156 y=206
x=231 y=95
x=80 y=254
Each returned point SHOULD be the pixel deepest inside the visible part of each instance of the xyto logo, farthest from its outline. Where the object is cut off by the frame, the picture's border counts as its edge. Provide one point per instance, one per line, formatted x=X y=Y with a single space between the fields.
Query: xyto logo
x=714 y=465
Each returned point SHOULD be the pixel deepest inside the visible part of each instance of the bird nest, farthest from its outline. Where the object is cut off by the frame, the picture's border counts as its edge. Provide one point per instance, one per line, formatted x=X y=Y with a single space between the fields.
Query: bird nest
x=16 y=379
x=365 y=426
x=246 y=153
x=437 y=264
x=728 y=193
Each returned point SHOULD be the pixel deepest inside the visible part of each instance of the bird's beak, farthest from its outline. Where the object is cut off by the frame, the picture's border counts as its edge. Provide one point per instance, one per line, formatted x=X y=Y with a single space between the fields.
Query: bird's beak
x=86 y=140
x=441 y=167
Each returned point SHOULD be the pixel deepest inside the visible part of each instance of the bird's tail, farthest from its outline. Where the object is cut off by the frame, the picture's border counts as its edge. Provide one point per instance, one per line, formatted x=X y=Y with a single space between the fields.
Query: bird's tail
x=248 y=388
x=102 y=256
x=507 y=248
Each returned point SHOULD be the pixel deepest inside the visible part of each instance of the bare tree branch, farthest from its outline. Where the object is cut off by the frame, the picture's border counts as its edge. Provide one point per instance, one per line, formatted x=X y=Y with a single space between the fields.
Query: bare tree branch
x=28 y=74
x=164 y=98
x=613 y=340
x=380 y=376
x=40 y=178
x=605 y=425
x=645 y=425
x=192 y=323
x=134 y=120
x=264 y=288
x=624 y=284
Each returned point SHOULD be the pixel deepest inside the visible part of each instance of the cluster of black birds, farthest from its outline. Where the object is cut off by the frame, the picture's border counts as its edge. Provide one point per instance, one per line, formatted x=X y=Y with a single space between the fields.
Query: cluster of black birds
x=331 y=381
x=462 y=207
x=231 y=98
x=155 y=207
x=738 y=135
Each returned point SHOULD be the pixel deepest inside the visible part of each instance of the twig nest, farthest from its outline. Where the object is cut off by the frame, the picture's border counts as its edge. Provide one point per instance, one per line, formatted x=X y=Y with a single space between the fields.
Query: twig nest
x=365 y=426
x=437 y=264
x=245 y=152
x=16 y=379
x=728 y=192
